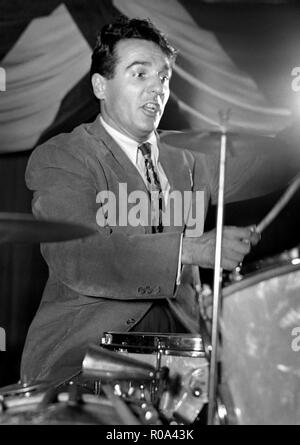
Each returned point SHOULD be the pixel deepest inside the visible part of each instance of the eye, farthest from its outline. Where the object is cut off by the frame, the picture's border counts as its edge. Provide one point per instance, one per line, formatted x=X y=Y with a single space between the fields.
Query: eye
x=140 y=74
x=164 y=78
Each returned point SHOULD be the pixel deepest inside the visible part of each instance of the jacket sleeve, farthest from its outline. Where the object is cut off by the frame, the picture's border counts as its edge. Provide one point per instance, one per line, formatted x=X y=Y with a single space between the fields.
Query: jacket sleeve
x=108 y=264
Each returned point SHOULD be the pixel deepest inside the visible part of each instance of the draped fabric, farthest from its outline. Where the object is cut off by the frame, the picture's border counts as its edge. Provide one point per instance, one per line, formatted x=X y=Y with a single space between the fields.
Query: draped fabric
x=45 y=51
x=46 y=62
x=230 y=57
x=46 y=59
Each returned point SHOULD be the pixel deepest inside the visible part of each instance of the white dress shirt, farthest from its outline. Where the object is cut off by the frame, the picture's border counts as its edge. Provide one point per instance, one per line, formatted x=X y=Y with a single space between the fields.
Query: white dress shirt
x=130 y=148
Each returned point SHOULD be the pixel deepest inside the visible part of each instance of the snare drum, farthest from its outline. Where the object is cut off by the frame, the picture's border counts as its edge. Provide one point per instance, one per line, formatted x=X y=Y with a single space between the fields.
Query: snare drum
x=260 y=356
x=182 y=354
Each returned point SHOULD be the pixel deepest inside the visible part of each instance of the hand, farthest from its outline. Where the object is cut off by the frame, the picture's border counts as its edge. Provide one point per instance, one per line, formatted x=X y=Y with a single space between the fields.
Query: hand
x=255 y=236
x=236 y=243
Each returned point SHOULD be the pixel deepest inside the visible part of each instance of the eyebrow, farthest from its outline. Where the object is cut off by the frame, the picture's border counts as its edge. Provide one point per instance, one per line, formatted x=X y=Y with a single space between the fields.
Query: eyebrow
x=144 y=63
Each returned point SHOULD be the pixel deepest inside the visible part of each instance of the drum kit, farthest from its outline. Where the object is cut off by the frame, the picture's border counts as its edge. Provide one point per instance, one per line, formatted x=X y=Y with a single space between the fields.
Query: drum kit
x=244 y=370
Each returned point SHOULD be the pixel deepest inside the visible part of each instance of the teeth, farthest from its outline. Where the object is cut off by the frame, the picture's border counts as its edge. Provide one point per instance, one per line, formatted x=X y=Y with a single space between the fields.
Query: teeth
x=151 y=107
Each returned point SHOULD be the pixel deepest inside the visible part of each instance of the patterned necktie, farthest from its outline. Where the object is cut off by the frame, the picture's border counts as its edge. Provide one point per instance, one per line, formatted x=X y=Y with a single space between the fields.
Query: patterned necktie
x=154 y=188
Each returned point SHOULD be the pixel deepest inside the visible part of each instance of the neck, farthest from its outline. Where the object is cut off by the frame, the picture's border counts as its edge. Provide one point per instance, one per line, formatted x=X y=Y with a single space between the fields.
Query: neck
x=122 y=131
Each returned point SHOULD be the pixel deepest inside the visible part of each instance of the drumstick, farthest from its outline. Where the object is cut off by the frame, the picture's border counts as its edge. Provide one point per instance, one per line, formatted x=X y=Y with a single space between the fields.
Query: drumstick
x=280 y=204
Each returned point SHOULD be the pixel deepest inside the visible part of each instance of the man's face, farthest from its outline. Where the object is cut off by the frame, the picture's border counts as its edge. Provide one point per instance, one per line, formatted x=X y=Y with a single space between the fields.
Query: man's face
x=133 y=101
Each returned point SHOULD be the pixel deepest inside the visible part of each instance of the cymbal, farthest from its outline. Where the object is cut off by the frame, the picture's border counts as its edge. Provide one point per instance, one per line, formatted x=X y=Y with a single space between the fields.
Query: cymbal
x=22 y=388
x=24 y=228
x=256 y=164
x=208 y=142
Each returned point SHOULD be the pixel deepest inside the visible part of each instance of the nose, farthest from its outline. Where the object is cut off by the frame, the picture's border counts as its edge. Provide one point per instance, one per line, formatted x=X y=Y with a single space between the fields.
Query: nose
x=156 y=85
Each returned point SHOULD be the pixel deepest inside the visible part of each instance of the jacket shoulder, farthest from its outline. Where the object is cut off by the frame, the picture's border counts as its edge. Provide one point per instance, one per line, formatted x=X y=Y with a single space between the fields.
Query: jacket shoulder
x=67 y=152
x=71 y=143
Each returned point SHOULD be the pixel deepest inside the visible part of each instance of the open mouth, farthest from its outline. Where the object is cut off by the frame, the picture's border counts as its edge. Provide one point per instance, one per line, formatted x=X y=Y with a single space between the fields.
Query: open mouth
x=151 y=108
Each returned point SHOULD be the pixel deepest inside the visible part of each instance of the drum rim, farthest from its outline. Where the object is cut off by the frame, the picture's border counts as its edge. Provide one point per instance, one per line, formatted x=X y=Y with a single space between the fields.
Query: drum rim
x=187 y=343
x=23 y=388
x=258 y=276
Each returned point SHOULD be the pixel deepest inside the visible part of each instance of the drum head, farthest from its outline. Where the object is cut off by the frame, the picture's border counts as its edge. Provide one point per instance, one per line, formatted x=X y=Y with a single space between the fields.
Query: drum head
x=260 y=365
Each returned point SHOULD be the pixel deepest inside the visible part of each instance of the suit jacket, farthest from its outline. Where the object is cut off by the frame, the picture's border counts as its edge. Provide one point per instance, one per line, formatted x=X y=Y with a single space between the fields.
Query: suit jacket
x=109 y=280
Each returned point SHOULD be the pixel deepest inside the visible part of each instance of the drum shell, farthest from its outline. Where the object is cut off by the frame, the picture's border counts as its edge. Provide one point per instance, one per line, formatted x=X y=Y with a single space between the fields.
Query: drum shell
x=180 y=352
x=260 y=370
x=183 y=355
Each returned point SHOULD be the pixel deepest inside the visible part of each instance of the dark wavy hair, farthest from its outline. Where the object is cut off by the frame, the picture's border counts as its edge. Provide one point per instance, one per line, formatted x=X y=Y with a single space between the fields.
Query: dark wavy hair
x=104 y=58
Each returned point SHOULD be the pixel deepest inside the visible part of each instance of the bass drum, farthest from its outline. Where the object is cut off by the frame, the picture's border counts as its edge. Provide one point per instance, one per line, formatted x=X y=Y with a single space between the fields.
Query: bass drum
x=260 y=350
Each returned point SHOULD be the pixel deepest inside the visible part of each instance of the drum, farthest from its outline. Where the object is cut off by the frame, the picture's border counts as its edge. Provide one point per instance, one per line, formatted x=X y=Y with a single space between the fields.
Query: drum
x=182 y=355
x=260 y=353
x=68 y=405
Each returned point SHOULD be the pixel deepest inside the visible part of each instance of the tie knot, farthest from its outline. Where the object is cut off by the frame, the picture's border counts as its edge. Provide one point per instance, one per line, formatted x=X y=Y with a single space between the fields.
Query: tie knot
x=145 y=149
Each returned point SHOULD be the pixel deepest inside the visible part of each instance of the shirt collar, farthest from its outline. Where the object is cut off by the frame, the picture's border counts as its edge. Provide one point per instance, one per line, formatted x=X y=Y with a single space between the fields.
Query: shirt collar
x=130 y=146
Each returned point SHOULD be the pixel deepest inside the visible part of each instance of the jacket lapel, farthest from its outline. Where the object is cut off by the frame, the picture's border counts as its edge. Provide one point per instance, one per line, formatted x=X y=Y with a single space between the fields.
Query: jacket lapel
x=172 y=161
x=120 y=170
x=113 y=156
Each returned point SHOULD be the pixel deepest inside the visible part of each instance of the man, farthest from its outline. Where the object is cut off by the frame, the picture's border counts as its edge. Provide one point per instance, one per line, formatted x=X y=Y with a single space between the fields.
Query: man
x=133 y=275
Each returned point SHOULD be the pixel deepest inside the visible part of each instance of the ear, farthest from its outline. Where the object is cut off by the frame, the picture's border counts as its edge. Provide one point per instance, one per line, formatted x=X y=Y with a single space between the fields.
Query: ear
x=99 y=85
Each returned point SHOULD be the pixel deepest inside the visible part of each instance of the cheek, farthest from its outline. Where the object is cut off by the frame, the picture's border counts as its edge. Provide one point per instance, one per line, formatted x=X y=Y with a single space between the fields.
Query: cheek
x=166 y=96
x=115 y=103
x=123 y=100
x=122 y=97
x=113 y=92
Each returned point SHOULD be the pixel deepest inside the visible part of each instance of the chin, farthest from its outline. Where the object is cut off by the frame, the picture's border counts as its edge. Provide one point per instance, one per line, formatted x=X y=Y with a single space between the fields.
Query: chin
x=147 y=129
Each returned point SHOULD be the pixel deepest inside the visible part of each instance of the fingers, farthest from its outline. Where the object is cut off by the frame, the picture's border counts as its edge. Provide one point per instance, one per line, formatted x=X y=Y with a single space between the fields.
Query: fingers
x=229 y=262
x=248 y=235
x=236 y=244
x=238 y=233
x=237 y=239
x=255 y=236
x=240 y=247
